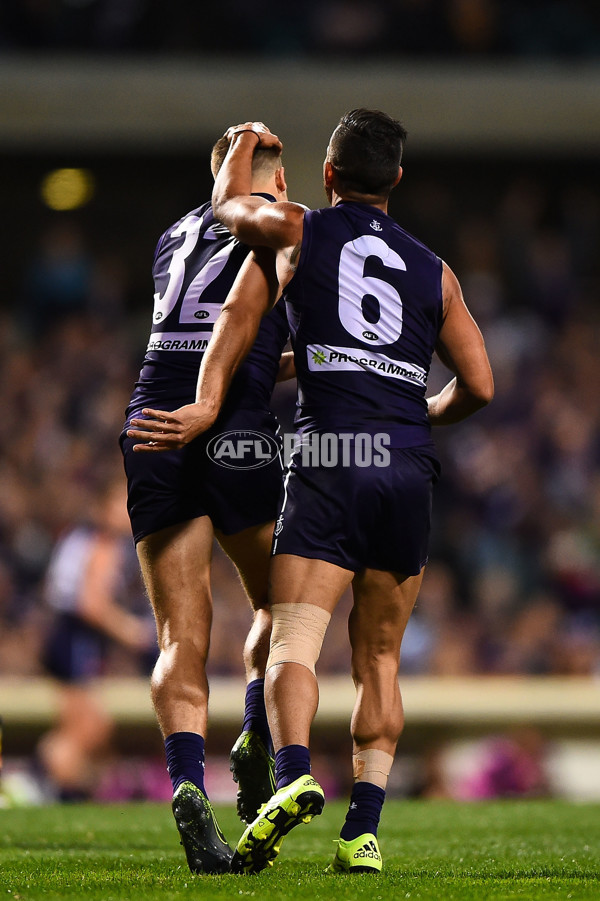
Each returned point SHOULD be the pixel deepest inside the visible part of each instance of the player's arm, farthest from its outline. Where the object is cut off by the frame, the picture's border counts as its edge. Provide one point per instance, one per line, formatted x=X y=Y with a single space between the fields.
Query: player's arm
x=461 y=348
x=97 y=604
x=252 y=295
x=287 y=367
x=252 y=219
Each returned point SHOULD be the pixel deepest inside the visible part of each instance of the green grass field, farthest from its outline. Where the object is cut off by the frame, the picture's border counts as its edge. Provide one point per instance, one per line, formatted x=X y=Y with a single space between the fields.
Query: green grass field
x=431 y=850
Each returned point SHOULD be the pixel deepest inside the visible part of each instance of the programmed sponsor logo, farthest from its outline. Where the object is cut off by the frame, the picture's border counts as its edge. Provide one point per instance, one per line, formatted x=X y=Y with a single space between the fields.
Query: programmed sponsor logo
x=242 y=449
x=177 y=341
x=326 y=358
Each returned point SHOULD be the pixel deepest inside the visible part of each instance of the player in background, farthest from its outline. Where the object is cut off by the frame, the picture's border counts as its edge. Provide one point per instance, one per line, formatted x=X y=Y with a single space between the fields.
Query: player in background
x=91 y=580
x=180 y=501
x=367 y=305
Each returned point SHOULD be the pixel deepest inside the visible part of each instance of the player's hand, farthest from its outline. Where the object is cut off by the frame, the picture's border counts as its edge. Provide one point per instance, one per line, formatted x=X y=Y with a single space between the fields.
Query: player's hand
x=162 y=431
x=266 y=138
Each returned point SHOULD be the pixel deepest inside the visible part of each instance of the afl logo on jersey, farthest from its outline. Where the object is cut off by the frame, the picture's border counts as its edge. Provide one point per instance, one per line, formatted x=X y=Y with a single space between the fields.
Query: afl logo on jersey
x=242 y=449
x=370 y=336
x=158 y=316
x=201 y=314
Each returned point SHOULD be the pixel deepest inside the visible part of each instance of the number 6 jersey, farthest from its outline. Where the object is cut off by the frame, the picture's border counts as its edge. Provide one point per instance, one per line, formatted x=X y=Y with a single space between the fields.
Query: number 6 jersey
x=364 y=309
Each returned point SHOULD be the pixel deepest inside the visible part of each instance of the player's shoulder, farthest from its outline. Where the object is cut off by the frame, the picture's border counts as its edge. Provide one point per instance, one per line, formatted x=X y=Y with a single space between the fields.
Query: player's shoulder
x=186 y=223
x=200 y=222
x=326 y=218
x=203 y=215
x=371 y=220
x=287 y=209
x=418 y=246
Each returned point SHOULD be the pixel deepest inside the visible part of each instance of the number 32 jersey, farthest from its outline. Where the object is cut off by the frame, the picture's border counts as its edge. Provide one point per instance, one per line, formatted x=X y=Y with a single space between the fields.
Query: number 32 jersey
x=195 y=264
x=364 y=309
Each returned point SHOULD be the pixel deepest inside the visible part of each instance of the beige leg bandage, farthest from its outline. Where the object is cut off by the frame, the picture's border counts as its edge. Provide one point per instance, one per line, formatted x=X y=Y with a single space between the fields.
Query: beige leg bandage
x=297 y=635
x=372 y=766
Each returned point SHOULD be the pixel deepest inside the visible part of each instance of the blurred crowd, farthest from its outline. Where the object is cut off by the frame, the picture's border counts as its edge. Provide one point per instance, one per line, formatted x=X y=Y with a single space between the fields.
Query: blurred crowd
x=514 y=580
x=564 y=29
x=513 y=584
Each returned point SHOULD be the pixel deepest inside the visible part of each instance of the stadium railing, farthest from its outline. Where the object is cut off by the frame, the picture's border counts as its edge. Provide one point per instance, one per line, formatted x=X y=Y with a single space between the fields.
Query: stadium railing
x=437 y=702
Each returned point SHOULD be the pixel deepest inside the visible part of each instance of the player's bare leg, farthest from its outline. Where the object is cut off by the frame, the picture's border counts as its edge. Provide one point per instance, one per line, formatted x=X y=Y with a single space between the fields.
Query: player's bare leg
x=250 y=551
x=251 y=760
x=291 y=687
x=77 y=745
x=304 y=593
x=175 y=565
x=383 y=602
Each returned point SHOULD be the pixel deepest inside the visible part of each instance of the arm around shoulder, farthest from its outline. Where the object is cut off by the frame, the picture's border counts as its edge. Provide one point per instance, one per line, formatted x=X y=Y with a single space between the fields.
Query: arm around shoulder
x=250 y=217
x=461 y=348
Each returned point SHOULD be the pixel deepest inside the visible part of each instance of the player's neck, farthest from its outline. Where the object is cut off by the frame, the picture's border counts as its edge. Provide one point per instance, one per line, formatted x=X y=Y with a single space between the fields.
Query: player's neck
x=380 y=203
x=269 y=188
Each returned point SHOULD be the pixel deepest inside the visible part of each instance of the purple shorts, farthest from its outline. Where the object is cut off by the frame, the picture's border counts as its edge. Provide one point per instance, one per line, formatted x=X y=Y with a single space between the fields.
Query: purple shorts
x=74 y=651
x=216 y=475
x=357 y=516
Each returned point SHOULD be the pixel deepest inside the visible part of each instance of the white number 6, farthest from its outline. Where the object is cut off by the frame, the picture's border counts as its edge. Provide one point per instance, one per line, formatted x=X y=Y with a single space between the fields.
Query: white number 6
x=354 y=286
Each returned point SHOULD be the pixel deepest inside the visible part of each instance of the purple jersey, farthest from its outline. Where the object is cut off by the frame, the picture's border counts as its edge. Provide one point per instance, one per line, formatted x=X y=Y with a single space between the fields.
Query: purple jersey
x=195 y=264
x=365 y=310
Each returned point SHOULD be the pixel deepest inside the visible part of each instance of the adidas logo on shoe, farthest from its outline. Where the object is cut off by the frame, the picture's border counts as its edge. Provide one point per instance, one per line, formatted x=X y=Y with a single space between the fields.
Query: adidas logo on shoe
x=368 y=850
x=359 y=855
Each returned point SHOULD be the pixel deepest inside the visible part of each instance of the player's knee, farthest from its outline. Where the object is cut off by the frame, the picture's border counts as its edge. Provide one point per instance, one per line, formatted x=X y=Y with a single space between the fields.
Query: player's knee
x=297 y=634
x=184 y=641
x=256 y=646
x=179 y=661
x=375 y=665
x=261 y=627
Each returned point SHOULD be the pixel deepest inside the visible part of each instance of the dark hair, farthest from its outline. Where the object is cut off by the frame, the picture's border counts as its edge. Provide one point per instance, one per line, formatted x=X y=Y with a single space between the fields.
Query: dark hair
x=265 y=160
x=365 y=150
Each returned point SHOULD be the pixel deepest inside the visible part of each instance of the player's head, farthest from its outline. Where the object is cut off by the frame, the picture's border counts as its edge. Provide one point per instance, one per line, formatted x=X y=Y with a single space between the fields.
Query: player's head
x=365 y=152
x=267 y=167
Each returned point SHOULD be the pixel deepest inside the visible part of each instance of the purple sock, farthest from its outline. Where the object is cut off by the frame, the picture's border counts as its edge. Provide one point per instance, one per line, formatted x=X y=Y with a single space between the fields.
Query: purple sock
x=363 y=814
x=255 y=713
x=185 y=759
x=291 y=762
